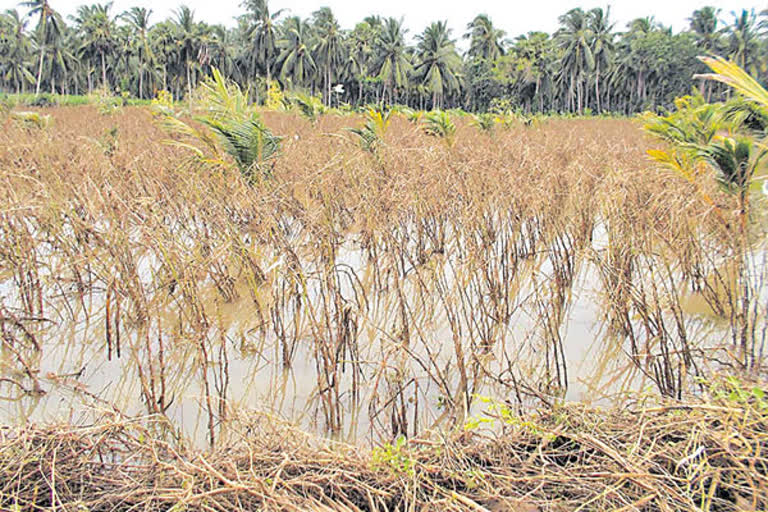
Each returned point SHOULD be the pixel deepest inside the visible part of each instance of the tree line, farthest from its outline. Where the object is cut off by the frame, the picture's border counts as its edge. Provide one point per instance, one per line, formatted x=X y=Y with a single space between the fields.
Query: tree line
x=587 y=65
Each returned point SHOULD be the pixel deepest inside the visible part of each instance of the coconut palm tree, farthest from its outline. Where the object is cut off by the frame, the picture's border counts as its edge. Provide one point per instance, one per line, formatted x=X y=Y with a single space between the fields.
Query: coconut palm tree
x=392 y=63
x=137 y=19
x=48 y=29
x=295 y=61
x=438 y=62
x=263 y=33
x=644 y=25
x=97 y=30
x=329 y=48
x=639 y=63
x=162 y=39
x=585 y=64
x=743 y=42
x=360 y=54
x=15 y=49
x=536 y=56
x=703 y=23
x=189 y=34
x=485 y=39
x=602 y=45
x=63 y=60
x=574 y=39
x=223 y=52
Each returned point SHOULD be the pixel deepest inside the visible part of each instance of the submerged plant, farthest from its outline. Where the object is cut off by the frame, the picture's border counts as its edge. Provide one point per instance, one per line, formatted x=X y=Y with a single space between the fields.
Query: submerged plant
x=736 y=160
x=275 y=97
x=693 y=123
x=726 y=138
x=230 y=122
x=750 y=116
x=162 y=104
x=729 y=73
x=413 y=116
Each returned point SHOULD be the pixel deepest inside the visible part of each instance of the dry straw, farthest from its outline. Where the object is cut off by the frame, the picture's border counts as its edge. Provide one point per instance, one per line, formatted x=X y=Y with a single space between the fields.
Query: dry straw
x=699 y=456
x=403 y=275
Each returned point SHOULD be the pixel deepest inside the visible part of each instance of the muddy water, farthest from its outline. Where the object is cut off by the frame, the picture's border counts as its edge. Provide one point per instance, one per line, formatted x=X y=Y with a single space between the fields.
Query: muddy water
x=78 y=377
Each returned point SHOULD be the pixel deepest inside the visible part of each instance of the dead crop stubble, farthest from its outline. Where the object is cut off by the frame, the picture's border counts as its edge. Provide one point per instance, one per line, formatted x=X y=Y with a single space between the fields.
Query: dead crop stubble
x=408 y=279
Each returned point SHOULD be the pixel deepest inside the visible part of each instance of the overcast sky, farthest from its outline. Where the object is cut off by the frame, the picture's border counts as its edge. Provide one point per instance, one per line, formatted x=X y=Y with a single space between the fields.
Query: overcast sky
x=514 y=16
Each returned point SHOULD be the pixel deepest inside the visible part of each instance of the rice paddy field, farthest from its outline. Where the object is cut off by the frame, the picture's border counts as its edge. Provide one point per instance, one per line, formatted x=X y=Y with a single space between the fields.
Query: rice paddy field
x=534 y=317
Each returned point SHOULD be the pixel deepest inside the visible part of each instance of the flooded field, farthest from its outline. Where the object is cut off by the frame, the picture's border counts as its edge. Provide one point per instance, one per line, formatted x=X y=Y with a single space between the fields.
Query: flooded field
x=359 y=295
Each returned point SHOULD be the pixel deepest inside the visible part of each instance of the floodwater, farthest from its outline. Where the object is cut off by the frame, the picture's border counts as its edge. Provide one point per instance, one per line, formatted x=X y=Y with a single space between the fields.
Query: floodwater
x=382 y=385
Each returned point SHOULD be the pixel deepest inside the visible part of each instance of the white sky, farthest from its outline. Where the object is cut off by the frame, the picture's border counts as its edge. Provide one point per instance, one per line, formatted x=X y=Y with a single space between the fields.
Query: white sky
x=514 y=16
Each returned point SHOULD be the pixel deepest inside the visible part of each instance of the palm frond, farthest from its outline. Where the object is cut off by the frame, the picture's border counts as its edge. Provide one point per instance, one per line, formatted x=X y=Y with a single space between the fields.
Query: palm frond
x=731 y=74
x=439 y=124
x=230 y=123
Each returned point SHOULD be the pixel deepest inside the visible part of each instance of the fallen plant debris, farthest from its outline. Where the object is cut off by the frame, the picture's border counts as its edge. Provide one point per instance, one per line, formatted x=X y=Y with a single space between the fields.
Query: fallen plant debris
x=711 y=454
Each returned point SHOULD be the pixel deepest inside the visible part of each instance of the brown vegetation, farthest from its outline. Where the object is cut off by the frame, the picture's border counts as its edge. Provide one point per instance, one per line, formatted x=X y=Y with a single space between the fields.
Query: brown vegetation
x=405 y=280
x=703 y=456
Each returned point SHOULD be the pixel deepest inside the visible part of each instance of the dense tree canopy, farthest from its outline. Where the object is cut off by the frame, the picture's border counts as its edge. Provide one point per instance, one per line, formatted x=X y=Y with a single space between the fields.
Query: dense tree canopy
x=588 y=64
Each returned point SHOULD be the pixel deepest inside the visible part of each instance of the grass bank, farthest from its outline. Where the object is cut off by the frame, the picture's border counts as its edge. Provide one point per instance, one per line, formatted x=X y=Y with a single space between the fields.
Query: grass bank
x=65 y=100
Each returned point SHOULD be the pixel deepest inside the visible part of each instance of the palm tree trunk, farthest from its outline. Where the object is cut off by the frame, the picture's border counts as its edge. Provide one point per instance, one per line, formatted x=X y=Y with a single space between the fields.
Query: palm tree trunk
x=578 y=96
x=597 y=87
x=267 y=64
x=536 y=91
x=360 y=93
x=103 y=71
x=141 y=82
x=40 y=69
x=189 y=83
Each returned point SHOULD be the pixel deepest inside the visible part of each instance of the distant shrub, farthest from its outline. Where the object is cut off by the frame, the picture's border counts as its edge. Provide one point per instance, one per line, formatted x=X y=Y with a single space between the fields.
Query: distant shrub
x=43 y=100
